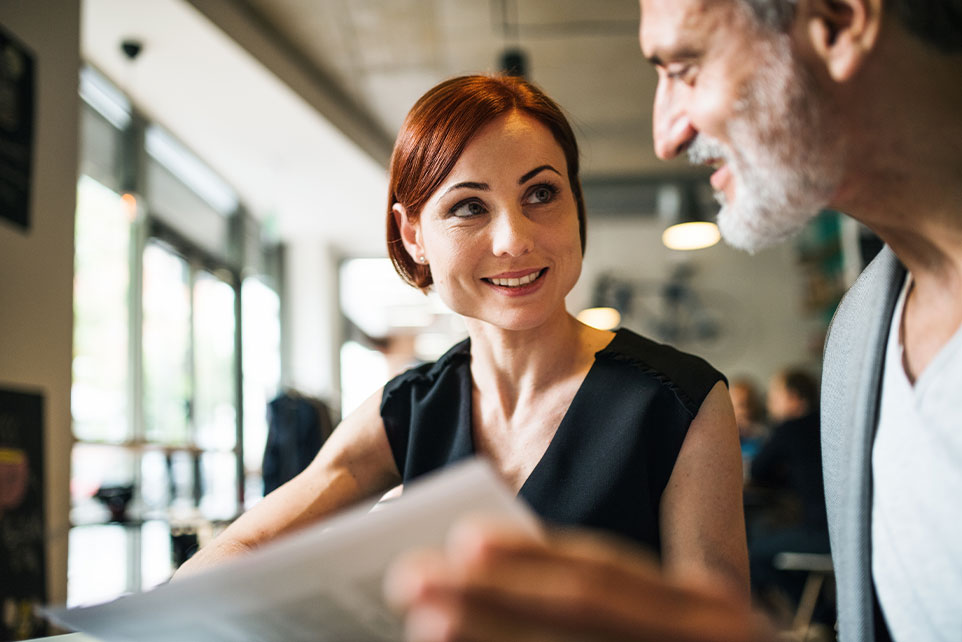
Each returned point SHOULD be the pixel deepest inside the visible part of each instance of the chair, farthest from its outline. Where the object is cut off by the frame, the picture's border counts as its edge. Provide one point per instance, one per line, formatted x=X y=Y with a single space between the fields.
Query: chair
x=819 y=568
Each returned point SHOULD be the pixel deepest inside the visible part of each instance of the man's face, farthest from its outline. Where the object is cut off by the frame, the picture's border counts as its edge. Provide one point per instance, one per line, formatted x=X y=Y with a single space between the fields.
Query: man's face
x=781 y=403
x=732 y=95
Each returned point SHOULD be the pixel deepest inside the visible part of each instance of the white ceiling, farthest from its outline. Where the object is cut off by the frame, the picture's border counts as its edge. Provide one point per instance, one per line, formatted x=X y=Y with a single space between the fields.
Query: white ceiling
x=386 y=53
x=274 y=94
x=289 y=165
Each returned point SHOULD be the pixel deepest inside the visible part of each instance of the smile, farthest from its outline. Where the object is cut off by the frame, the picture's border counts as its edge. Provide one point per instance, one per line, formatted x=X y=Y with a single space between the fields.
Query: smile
x=518 y=281
x=720 y=178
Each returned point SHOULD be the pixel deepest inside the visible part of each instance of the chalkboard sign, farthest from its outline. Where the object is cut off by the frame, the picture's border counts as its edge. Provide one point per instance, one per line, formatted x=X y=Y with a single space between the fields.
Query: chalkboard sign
x=16 y=129
x=23 y=585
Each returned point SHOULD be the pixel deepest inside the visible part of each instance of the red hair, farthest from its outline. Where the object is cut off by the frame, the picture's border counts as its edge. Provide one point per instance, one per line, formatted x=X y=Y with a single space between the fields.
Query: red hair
x=434 y=135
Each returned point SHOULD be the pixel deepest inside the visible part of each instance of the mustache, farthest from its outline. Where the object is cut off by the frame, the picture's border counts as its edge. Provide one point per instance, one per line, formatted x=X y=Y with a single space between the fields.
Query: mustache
x=704 y=149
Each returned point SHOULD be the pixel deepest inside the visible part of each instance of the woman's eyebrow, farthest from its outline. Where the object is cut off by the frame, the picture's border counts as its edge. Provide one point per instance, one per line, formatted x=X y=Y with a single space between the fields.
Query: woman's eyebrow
x=484 y=187
x=527 y=177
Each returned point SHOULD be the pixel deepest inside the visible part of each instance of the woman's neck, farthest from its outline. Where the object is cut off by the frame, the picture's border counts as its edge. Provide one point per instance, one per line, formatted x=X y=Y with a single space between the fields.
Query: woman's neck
x=514 y=365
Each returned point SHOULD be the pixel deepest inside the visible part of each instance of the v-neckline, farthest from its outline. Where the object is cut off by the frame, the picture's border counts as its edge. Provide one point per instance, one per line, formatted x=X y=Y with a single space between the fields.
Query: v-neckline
x=562 y=425
x=918 y=383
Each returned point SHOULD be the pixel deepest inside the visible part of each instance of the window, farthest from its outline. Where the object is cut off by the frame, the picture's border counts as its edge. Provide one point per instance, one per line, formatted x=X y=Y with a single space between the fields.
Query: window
x=99 y=397
x=164 y=360
x=166 y=346
x=261 y=368
x=392 y=327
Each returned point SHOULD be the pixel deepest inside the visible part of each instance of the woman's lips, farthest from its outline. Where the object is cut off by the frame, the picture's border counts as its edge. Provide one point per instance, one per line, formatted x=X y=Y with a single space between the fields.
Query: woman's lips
x=516 y=280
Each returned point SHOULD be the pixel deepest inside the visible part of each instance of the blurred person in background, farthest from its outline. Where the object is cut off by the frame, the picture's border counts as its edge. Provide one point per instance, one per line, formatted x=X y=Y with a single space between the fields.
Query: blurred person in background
x=749 y=417
x=790 y=463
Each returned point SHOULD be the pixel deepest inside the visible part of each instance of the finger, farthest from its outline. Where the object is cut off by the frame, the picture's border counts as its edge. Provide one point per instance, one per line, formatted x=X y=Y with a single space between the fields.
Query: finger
x=452 y=620
x=414 y=576
x=475 y=537
x=485 y=527
x=442 y=604
x=491 y=580
x=587 y=585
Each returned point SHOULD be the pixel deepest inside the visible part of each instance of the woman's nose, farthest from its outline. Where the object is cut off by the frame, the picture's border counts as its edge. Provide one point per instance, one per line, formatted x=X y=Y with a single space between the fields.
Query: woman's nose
x=512 y=233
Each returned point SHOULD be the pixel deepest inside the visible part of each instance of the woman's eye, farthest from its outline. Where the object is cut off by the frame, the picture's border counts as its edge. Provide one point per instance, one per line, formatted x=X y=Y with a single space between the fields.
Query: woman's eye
x=467 y=209
x=542 y=194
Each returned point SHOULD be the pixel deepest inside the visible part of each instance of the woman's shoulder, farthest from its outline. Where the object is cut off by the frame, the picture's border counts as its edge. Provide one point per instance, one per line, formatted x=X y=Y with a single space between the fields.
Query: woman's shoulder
x=689 y=376
x=428 y=373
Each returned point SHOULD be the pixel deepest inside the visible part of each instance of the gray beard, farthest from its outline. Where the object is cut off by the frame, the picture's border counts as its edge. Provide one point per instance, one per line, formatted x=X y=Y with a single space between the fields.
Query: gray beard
x=784 y=160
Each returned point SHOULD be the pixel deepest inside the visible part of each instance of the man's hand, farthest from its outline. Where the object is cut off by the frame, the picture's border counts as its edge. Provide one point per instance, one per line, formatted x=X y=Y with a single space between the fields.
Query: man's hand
x=492 y=583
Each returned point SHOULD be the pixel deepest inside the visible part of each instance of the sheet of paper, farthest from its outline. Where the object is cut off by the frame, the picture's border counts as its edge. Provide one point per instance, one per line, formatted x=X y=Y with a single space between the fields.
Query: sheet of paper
x=320 y=584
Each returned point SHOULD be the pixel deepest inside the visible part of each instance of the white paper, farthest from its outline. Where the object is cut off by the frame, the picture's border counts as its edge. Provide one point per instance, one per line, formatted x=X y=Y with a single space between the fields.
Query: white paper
x=320 y=584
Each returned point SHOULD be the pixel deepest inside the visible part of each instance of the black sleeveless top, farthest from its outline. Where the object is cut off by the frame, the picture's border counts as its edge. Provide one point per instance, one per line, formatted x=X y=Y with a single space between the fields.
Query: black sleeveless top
x=613 y=451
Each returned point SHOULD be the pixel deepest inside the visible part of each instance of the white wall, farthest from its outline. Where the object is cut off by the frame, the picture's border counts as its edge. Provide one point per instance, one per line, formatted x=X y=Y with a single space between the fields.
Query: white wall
x=36 y=267
x=311 y=320
x=759 y=298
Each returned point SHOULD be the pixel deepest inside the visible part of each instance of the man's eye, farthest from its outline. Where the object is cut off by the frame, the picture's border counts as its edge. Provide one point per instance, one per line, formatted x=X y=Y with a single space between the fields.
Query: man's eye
x=467 y=209
x=684 y=73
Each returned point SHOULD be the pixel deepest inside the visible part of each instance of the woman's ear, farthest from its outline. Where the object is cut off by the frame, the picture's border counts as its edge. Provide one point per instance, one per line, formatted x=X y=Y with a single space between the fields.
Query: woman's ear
x=410 y=233
x=842 y=33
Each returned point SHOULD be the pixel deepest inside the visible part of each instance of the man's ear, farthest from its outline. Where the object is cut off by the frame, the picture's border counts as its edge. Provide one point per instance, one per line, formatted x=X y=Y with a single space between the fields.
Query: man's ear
x=841 y=32
x=410 y=233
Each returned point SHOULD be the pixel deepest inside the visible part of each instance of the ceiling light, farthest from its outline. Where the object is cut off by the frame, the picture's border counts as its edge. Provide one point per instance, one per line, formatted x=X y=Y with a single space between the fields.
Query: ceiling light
x=692 y=235
x=514 y=62
x=600 y=318
x=687 y=225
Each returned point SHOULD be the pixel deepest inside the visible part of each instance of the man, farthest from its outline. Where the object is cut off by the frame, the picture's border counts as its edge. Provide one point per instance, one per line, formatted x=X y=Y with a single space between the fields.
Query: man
x=749 y=417
x=790 y=464
x=791 y=457
x=800 y=105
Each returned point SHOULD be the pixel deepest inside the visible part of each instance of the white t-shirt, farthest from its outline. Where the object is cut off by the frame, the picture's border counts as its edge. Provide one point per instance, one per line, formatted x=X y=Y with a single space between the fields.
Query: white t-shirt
x=917 y=493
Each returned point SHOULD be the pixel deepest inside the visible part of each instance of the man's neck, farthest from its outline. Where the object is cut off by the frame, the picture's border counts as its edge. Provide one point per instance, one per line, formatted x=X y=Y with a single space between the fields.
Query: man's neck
x=929 y=321
x=906 y=170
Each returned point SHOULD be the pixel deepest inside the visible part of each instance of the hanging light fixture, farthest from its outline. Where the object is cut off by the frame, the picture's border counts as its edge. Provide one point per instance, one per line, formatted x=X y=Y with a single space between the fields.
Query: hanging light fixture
x=602 y=318
x=611 y=299
x=514 y=62
x=688 y=228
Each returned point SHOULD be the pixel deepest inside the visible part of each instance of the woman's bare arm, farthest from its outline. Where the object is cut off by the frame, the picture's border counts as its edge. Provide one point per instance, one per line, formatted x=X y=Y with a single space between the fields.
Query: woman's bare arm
x=492 y=582
x=355 y=462
x=702 y=514
x=702 y=542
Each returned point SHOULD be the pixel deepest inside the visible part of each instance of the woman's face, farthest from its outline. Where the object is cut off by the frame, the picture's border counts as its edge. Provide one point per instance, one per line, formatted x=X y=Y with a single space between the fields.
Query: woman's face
x=501 y=233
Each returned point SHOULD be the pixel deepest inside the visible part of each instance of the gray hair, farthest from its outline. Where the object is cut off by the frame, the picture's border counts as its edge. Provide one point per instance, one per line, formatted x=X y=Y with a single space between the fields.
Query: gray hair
x=936 y=22
x=774 y=14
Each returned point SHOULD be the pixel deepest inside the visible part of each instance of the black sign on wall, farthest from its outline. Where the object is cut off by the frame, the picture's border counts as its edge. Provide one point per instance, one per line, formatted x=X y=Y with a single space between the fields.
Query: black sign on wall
x=23 y=585
x=16 y=129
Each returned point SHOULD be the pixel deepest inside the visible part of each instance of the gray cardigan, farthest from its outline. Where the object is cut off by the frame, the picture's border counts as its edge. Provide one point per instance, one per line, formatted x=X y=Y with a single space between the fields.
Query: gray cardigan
x=851 y=386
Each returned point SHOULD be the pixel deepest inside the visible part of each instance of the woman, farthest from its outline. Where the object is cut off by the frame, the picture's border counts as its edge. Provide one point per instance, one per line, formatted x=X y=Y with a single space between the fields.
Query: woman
x=592 y=428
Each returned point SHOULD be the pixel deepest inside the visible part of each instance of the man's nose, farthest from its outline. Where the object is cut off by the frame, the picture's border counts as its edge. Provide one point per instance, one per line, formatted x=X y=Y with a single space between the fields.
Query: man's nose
x=512 y=234
x=671 y=124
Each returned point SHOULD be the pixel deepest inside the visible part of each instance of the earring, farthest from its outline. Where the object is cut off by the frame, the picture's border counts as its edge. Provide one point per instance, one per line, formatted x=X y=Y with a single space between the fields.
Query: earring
x=422 y=259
